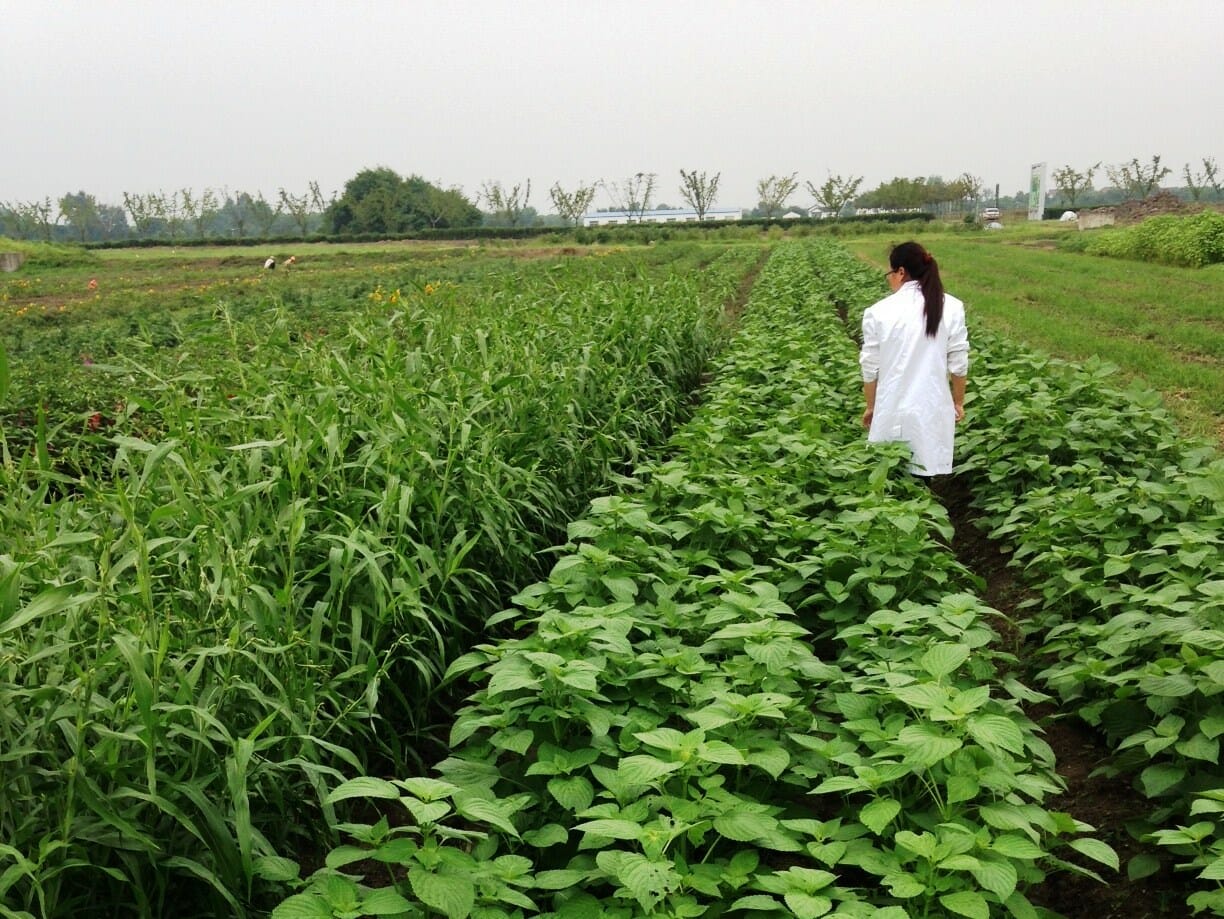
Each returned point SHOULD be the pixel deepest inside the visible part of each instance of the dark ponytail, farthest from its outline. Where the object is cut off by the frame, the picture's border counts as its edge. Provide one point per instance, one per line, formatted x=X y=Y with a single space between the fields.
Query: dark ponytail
x=920 y=266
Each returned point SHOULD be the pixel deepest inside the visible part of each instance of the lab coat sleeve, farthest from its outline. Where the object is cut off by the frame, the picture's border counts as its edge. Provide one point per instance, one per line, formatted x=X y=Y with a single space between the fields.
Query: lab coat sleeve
x=958 y=347
x=869 y=355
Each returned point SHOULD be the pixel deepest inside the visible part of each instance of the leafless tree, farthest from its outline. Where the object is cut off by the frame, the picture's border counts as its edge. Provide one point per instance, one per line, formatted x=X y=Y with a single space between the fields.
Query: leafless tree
x=633 y=196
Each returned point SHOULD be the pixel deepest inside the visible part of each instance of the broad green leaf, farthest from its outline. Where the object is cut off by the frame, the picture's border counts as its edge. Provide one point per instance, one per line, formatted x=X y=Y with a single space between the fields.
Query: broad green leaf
x=574 y=793
x=662 y=739
x=364 y=787
x=744 y=825
x=807 y=906
x=967 y=903
x=1143 y=865
x=551 y=834
x=465 y=663
x=1212 y=726
x=774 y=761
x=855 y=707
x=1005 y=817
x=757 y=902
x=427 y=789
x=581 y=906
x=303 y=906
x=384 y=902
x=1096 y=850
x=645 y=770
x=558 y=879
x=486 y=811
x=883 y=593
x=839 y=783
x=516 y=741
x=903 y=885
x=921 y=844
x=925 y=745
x=508 y=679
x=427 y=813
x=447 y=893
x=1169 y=686
x=622 y=589
x=1020 y=847
x=611 y=828
x=1199 y=747
x=1019 y=907
x=960 y=862
x=580 y=679
x=996 y=731
x=999 y=878
x=1214 y=870
x=923 y=696
x=719 y=751
x=743 y=863
x=879 y=814
x=943 y=659
x=962 y=788
x=649 y=881
x=1158 y=779
x=276 y=868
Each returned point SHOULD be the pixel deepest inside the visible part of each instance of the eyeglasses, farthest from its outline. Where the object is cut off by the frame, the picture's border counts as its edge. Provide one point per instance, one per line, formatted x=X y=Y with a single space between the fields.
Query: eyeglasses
x=889 y=274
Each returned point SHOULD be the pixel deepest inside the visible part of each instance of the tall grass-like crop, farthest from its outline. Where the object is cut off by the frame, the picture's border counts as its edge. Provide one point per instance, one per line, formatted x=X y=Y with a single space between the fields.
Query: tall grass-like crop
x=295 y=530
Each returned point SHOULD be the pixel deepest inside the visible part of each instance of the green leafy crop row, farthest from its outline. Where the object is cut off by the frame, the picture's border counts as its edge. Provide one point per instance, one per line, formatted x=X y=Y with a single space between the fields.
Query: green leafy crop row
x=1119 y=527
x=754 y=685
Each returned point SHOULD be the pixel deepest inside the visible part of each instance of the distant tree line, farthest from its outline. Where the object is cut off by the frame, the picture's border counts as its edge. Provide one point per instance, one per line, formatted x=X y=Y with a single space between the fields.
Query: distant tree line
x=380 y=201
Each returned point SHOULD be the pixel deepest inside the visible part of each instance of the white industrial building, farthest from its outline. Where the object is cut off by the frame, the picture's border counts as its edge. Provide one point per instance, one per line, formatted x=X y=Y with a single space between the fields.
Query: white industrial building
x=663 y=215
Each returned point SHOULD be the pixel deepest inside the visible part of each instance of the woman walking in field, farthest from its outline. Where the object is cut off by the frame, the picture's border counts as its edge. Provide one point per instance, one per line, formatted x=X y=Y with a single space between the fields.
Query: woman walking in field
x=915 y=342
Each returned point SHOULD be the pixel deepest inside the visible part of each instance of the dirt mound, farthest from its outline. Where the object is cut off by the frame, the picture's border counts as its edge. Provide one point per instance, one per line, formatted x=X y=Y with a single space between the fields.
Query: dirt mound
x=1154 y=205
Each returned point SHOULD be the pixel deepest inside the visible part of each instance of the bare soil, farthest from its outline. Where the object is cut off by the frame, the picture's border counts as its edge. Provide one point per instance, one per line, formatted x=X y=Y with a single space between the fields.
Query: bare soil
x=1155 y=205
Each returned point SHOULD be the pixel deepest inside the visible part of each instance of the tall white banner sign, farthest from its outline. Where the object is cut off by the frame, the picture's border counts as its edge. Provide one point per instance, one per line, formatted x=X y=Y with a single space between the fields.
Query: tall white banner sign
x=1037 y=191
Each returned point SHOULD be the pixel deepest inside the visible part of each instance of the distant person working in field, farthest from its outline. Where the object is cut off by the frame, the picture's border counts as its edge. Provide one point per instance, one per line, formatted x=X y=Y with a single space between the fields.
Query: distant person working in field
x=913 y=341
x=270 y=264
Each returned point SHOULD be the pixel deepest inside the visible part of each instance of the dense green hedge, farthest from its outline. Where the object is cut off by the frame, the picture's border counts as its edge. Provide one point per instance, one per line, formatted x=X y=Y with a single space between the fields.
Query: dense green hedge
x=1189 y=241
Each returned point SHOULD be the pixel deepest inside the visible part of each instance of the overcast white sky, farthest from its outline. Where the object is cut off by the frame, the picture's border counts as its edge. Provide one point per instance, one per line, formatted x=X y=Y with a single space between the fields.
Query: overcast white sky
x=252 y=95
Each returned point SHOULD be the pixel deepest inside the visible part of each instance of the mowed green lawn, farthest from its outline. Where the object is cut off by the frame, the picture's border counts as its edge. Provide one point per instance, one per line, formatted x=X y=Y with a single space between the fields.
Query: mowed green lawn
x=1160 y=325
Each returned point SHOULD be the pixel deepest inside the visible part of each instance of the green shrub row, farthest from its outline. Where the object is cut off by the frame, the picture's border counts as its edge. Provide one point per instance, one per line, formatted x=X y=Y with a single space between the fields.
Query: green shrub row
x=1193 y=242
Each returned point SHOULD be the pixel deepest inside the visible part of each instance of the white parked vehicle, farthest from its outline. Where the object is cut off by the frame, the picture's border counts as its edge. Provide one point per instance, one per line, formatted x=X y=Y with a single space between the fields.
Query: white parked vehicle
x=990 y=213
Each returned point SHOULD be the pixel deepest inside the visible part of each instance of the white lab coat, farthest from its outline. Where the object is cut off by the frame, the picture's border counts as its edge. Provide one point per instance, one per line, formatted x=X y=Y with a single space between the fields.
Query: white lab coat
x=913 y=397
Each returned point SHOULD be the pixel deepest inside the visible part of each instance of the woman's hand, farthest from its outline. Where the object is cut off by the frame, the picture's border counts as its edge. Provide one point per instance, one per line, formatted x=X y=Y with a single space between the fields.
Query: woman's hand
x=867 y=416
x=960 y=411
